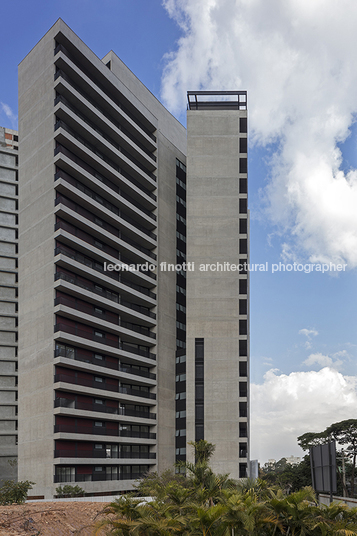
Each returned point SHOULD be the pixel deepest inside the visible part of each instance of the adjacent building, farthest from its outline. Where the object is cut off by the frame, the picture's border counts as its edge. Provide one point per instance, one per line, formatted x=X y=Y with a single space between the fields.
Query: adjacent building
x=8 y=302
x=107 y=391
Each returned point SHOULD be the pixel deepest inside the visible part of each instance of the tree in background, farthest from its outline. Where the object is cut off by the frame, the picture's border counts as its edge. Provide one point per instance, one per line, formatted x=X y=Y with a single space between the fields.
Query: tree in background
x=345 y=434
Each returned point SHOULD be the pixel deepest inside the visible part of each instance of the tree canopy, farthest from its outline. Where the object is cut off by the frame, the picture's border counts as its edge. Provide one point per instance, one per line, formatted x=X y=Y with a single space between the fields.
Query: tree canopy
x=200 y=503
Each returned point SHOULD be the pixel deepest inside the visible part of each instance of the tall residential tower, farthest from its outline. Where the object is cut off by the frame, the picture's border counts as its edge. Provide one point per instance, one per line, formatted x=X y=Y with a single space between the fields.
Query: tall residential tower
x=104 y=217
x=98 y=161
x=218 y=289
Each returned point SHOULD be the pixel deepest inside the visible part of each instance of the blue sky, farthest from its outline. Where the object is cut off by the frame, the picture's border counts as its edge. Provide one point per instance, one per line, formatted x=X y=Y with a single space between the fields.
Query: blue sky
x=301 y=81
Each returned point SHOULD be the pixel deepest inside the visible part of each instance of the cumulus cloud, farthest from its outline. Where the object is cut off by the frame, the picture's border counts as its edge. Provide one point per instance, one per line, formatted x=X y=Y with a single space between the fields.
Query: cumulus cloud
x=296 y=59
x=9 y=114
x=286 y=406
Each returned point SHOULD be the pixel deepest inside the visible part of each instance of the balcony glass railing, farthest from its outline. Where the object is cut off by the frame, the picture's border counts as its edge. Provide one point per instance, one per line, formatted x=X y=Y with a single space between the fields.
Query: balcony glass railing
x=98 y=267
x=109 y=117
x=93 y=126
x=95 y=82
x=61 y=149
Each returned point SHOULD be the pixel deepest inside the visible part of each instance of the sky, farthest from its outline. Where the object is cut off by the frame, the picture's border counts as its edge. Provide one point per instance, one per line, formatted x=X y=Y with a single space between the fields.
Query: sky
x=296 y=60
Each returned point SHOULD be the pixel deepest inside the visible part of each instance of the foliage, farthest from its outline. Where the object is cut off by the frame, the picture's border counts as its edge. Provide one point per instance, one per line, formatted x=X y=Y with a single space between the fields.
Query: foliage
x=12 y=492
x=204 y=504
x=345 y=434
x=287 y=476
x=69 y=491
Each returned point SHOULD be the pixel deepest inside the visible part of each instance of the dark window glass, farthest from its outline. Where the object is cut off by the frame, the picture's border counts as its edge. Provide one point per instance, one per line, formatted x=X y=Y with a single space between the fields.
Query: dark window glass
x=243 y=166
x=243 y=307
x=243 y=348
x=243 y=246
x=243 y=368
x=243 y=267
x=243 y=125
x=243 y=206
x=243 y=411
x=243 y=186
x=243 y=390
x=199 y=412
x=199 y=392
x=242 y=470
x=199 y=432
x=242 y=327
x=242 y=286
x=199 y=372
x=243 y=226
x=242 y=145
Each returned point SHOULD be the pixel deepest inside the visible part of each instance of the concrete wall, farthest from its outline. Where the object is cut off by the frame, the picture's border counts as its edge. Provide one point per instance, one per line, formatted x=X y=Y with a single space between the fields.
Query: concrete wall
x=213 y=296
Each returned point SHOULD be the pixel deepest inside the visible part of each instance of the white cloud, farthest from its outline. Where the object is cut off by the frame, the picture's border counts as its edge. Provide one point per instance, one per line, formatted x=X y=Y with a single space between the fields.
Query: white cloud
x=286 y=406
x=308 y=332
x=9 y=114
x=320 y=359
x=296 y=58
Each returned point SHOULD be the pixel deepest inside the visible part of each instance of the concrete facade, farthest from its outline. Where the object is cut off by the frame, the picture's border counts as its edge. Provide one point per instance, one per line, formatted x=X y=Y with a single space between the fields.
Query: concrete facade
x=98 y=159
x=8 y=303
x=217 y=371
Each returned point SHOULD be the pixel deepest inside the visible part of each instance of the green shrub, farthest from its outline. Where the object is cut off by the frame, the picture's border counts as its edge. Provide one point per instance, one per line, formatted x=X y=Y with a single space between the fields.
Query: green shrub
x=69 y=491
x=12 y=492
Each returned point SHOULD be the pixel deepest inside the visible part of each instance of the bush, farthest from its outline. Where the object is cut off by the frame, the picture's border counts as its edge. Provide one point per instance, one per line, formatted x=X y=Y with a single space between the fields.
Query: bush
x=12 y=492
x=69 y=491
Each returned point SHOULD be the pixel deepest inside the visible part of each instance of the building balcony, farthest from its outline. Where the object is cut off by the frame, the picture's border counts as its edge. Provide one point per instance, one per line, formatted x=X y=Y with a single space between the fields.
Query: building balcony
x=103 y=385
x=89 y=262
x=74 y=165
x=102 y=430
x=105 y=125
x=74 y=284
x=65 y=63
x=74 y=188
x=99 y=360
x=106 y=319
x=101 y=453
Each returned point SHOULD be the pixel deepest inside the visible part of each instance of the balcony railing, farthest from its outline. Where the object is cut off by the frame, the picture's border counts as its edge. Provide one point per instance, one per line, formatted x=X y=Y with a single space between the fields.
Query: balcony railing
x=98 y=267
x=110 y=140
x=137 y=392
x=92 y=217
x=86 y=406
x=94 y=150
x=93 y=195
x=101 y=453
x=96 y=82
x=74 y=330
x=100 y=477
x=110 y=118
x=107 y=316
x=61 y=149
x=101 y=430
x=91 y=240
x=103 y=363
x=86 y=382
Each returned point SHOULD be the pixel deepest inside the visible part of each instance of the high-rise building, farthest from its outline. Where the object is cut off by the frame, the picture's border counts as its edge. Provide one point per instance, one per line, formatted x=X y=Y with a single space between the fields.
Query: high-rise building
x=217 y=289
x=98 y=160
x=8 y=303
x=102 y=301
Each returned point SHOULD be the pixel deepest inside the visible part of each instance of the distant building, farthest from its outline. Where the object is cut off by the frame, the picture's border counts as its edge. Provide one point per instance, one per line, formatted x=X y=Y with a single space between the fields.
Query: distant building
x=8 y=302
